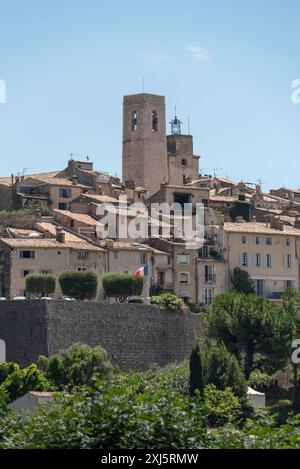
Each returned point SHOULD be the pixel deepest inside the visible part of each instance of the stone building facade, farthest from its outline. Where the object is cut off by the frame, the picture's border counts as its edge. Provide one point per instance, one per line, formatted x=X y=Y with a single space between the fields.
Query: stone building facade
x=144 y=141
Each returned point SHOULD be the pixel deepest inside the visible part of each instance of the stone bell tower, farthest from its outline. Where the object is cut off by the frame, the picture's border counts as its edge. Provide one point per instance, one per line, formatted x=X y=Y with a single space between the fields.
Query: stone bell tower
x=145 y=160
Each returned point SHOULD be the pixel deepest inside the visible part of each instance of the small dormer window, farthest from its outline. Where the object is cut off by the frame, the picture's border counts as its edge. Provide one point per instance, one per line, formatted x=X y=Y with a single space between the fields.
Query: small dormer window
x=134 y=121
x=154 y=121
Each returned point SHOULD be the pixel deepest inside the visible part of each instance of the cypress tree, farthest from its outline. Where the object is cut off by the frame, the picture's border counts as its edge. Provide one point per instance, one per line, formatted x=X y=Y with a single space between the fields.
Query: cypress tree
x=196 y=372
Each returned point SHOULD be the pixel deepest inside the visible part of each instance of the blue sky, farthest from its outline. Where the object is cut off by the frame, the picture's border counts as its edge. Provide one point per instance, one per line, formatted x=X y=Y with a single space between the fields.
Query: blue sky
x=228 y=64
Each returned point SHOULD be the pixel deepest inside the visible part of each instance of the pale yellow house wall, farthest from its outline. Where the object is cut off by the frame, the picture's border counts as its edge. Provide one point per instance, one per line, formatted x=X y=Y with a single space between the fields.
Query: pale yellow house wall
x=56 y=199
x=274 y=276
x=45 y=259
x=216 y=283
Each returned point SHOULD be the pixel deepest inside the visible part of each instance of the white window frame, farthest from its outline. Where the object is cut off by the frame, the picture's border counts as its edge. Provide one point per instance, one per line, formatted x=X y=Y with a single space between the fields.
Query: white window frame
x=188 y=278
x=186 y=256
x=209 y=296
x=244 y=259
x=268 y=260
x=258 y=261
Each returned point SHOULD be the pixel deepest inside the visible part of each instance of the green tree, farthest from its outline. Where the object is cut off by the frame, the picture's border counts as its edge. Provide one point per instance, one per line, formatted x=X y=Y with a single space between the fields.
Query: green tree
x=122 y=286
x=21 y=381
x=40 y=285
x=241 y=208
x=196 y=372
x=81 y=285
x=222 y=369
x=242 y=282
x=112 y=416
x=248 y=324
x=291 y=303
x=79 y=365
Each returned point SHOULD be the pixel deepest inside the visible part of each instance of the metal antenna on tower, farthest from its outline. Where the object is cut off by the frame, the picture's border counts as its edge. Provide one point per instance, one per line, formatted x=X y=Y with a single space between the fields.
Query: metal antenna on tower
x=217 y=170
x=188 y=125
x=143 y=84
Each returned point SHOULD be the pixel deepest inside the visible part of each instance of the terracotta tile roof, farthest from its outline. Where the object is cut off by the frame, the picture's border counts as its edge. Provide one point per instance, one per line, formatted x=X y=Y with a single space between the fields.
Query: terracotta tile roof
x=5 y=181
x=15 y=232
x=48 y=243
x=44 y=227
x=55 y=181
x=127 y=246
x=80 y=217
x=186 y=187
x=222 y=198
x=100 y=199
x=254 y=227
x=287 y=189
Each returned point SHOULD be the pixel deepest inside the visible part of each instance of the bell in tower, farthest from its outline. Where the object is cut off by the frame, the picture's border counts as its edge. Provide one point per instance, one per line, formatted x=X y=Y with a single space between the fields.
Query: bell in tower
x=176 y=125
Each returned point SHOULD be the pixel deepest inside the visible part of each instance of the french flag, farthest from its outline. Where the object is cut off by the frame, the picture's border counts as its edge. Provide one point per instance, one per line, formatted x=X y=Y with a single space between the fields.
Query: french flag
x=140 y=271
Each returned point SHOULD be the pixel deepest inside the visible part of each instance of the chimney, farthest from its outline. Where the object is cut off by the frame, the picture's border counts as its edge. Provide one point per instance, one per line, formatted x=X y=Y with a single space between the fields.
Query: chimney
x=60 y=235
x=75 y=180
x=12 y=180
x=297 y=222
x=109 y=243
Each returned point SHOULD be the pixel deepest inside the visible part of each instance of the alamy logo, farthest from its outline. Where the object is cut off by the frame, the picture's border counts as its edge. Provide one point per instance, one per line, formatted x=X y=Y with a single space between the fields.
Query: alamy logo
x=296 y=93
x=2 y=92
x=138 y=221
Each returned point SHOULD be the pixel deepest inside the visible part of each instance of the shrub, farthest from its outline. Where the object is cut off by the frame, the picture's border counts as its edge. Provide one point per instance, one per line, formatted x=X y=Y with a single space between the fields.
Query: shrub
x=196 y=372
x=222 y=406
x=21 y=381
x=40 y=285
x=261 y=382
x=7 y=369
x=112 y=417
x=173 y=377
x=79 y=365
x=168 y=301
x=222 y=369
x=81 y=285
x=122 y=286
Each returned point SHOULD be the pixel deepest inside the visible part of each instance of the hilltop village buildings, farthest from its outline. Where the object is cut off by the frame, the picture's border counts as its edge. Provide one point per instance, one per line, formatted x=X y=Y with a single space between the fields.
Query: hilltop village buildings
x=70 y=228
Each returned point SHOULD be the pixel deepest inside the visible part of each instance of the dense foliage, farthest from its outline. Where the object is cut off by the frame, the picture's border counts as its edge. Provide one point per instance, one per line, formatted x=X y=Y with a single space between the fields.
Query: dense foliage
x=111 y=417
x=222 y=406
x=168 y=301
x=40 y=285
x=242 y=282
x=20 y=381
x=199 y=403
x=221 y=368
x=291 y=303
x=80 y=285
x=122 y=286
x=241 y=208
x=196 y=372
x=248 y=324
x=80 y=365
